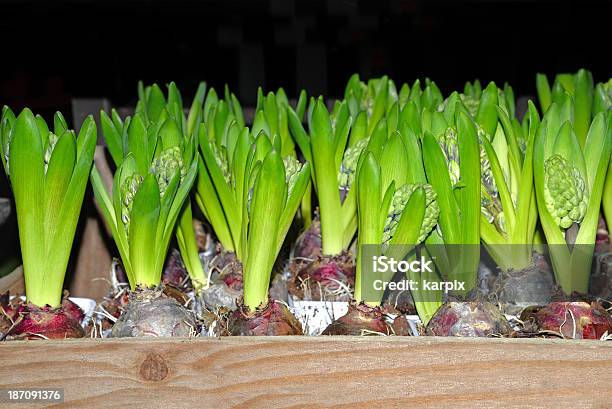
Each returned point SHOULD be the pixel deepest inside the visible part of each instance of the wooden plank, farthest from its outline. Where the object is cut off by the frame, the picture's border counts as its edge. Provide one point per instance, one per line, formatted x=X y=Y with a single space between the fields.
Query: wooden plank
x=92 y=272
x=347 y=372
x=13 y=283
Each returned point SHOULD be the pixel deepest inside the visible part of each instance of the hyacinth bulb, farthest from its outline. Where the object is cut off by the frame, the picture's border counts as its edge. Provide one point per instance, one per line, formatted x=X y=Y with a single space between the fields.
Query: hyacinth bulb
x=565 y=191
x=400 y=199
x=349 y=165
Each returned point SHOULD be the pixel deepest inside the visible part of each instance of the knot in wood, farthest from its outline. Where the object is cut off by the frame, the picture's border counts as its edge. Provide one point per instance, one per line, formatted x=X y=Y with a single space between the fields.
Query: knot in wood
x=154 y=367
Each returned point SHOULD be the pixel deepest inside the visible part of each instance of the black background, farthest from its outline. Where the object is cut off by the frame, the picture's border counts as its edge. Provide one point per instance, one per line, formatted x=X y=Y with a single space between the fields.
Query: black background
x=55 y=50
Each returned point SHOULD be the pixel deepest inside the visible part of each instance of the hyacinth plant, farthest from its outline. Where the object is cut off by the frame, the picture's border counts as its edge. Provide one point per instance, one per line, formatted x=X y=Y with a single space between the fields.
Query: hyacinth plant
x=451 y=157
x=325 y=148
x=155 y=111
x=397 y=210
x=224 y=151
x=150 y=187
x=569 y=180
x=508 y=205
x=251 y=201
x=48 y=172
x=323 y=267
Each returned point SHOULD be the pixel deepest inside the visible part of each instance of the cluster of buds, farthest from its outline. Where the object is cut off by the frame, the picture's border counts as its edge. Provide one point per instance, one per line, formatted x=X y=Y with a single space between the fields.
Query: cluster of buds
x=448 y=143
x=471 y=103
x=349 y=165
x=400 y=199
x=490 y=205
x=128 y=192
x=165 y=166
x=565 y=191
x=220 y=157
x=292 y=170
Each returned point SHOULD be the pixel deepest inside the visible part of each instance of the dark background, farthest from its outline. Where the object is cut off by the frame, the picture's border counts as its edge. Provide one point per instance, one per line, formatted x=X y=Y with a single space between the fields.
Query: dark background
x=55 y=50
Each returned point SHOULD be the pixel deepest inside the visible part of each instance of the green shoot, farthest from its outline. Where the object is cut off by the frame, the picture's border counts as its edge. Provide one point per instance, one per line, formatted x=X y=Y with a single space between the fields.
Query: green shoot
x=569 y=182
x=48 y=172
x=580 y=87
x=149 y=191
x=155 y=111
x=453 y=169
x=324 y=148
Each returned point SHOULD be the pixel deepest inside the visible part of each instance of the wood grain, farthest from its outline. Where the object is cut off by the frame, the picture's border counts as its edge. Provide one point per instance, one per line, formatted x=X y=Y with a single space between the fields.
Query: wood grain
x=313 y=372
x=13 y=282
x=91 y=276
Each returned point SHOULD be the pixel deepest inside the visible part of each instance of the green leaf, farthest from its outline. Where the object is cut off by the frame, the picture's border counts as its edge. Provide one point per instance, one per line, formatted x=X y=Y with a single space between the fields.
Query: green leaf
x=323 y=149
x=487 y=110
x=300 y=108
x=113 y=138
x=208 y=201
x=269 y=195
x=170 y=134
x=27 y=179
x=293 y=202
x=138 y=144
x=595 y=146
x=409 y=225
x=369 y=197
x=142 y=234
x=394 y=163
x=544 y=94
x=106 y=206
x=237 y=109
x=299 y=134
x=70 y=207
x=57 y=179
x=210 y=103
x=155 y=104
x=469 y=153
x=228 y=202
x=59 y=124
x=438 y=177
x=195 y=112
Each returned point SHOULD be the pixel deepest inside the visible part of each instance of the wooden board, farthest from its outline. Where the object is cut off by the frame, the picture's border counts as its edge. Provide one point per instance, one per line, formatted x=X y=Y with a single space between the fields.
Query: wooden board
x=13 y=282
x=312 y=372
x=92 y=272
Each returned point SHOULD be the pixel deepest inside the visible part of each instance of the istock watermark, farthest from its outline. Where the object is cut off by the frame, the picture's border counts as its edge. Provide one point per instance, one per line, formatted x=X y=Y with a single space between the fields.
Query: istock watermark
x=384 y=264
x=409 y=268
x=514 y=274
x=423 y=285
x=415 y=269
